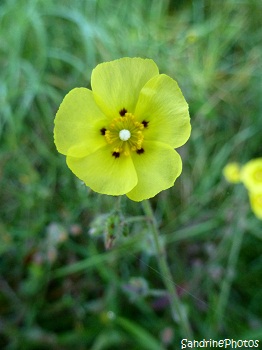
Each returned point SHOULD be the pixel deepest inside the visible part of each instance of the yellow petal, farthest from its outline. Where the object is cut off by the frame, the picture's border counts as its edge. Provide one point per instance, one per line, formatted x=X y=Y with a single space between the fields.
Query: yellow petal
x=162 y=104
x=104 y=173
x=251 y=175
x=256 y=203
x=78 y=123
x=231 y=172
x=157 y=169
x=117 y=84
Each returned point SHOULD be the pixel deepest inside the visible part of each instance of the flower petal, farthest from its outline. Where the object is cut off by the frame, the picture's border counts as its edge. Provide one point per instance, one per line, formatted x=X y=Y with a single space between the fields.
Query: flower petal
x=232 y=172
x=104 y=173
x=256 y=203
x=117 y=84
x=251 y=174
x=157 y=169
x=163 y=105
x=78 y=123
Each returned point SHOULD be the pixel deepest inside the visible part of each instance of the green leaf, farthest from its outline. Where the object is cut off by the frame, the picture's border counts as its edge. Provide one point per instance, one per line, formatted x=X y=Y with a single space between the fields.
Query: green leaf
x=141 y=336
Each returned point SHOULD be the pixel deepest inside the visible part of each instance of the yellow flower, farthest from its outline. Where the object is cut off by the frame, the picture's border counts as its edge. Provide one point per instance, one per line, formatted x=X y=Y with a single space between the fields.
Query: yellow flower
x=251 y=175
x=119 y=137
x=256 y=203
x=231 y=172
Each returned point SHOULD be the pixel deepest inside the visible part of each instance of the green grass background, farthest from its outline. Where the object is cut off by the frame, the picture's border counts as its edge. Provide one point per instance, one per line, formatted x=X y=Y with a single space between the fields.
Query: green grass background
x=59 y=287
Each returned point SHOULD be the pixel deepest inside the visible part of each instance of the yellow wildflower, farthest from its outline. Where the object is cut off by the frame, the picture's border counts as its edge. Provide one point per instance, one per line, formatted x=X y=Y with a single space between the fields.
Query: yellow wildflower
x=231 y=172
x=251 y=175
x=256 y=203
x=119 y=137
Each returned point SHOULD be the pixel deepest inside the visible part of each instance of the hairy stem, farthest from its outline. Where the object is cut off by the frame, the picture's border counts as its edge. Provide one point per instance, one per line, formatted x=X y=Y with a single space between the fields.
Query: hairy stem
x=230 y=271
x=177 y=308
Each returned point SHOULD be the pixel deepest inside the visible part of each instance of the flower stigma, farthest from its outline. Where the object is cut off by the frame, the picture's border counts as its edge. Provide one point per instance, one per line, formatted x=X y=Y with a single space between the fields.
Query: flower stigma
x=125 y=134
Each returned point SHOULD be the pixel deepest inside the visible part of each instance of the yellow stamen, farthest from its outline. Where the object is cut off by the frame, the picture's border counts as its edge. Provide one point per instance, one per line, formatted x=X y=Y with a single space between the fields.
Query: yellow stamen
x=125 y=133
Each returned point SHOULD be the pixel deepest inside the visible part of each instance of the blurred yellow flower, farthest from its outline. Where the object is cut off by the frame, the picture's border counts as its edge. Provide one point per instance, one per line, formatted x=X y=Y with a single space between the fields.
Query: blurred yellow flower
x=231 y=172
x=256 y=203
x=119 y=137
x=251 y=175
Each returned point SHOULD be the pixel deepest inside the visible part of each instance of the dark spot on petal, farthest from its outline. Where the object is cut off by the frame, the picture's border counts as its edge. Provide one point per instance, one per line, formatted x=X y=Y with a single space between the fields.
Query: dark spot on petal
x=140 y=151
x=116 y=154
x=145 y=123
x=103 y=131
x=122 y=112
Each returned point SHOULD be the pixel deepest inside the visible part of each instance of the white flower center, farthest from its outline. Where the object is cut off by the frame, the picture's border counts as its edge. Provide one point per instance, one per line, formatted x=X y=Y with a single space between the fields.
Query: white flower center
x=124 y=134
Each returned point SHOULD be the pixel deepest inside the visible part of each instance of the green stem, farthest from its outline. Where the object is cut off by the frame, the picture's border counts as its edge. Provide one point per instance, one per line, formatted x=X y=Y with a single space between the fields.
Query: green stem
x=231 y=267
x=118 y=206
x=178 y=312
